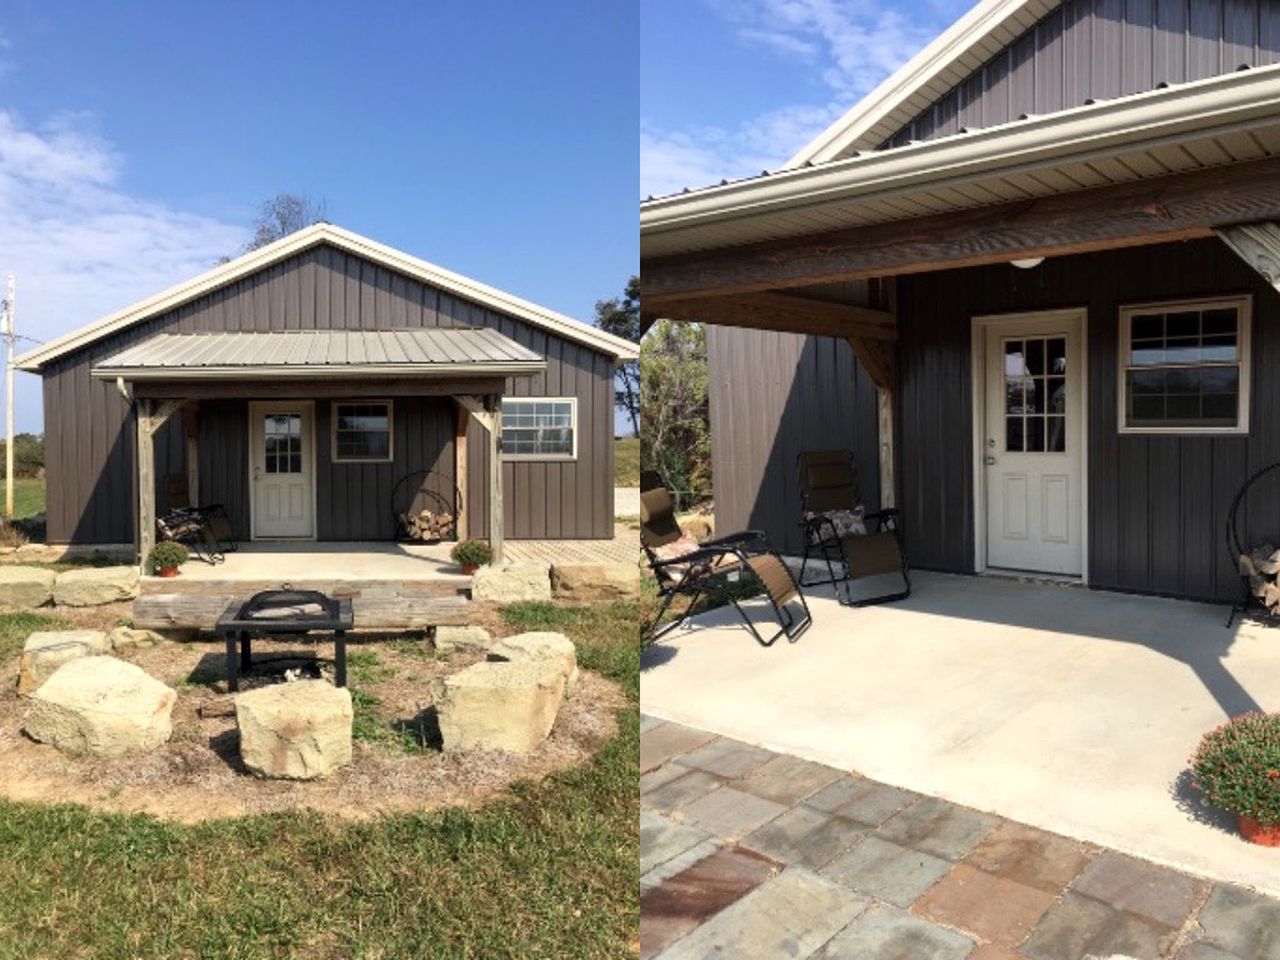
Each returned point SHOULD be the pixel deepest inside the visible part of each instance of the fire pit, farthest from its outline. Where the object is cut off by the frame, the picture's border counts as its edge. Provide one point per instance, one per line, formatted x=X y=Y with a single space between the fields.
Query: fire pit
x=273 y=613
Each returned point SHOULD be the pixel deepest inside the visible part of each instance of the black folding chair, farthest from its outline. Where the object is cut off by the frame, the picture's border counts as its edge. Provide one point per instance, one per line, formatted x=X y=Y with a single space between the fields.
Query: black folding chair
x=213 y=515
x=829 y=487
x=709 y=567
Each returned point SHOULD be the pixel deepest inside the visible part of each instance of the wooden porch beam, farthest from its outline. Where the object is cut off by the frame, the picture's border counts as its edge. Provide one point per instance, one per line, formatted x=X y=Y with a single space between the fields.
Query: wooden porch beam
x=767 y=310
x=1258 y=245
x=313 y=389
x=1159 y=210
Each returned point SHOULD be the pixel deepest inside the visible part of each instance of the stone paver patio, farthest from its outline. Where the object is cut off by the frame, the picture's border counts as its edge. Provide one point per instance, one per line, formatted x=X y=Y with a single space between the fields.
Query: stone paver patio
x=748 y=853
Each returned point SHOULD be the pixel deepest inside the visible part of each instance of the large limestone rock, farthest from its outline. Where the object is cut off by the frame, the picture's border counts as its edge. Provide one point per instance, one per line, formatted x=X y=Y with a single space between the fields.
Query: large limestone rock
x=295 y=731
x=512 y=582
x=47 y=650
x=102 y=706
x=451 y=639
x=26 y=586
x=124 y=639
x=595 y=581
x=541 y=645
x=499 y=705
x=92 y=586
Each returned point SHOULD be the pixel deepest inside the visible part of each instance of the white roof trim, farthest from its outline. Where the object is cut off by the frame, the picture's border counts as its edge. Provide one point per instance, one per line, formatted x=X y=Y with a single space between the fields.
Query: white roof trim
x=328 y=371
x=865 y=126
x=256 y=260
x=1193 y=110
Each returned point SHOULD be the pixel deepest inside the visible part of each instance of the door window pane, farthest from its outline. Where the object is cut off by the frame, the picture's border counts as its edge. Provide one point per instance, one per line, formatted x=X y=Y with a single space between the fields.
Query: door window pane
x=1035 y=395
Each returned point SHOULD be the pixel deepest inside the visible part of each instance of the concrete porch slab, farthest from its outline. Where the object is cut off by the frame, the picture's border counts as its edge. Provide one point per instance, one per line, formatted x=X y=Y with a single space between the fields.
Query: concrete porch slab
x=1070 y=710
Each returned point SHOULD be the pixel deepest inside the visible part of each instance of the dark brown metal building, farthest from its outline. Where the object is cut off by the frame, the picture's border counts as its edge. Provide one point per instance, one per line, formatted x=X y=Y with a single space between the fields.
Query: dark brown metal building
x=298 y=384
x=1051 y=244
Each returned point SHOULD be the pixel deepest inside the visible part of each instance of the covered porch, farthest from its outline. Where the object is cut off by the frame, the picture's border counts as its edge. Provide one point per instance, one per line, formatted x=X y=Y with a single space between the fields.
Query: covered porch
x=1072 y=711
x=307 y=437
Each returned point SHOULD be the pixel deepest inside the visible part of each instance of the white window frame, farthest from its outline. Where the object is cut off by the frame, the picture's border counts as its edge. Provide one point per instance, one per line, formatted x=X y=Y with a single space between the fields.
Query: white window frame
x=361 y=402
x=560 y=457
x=1243 y=305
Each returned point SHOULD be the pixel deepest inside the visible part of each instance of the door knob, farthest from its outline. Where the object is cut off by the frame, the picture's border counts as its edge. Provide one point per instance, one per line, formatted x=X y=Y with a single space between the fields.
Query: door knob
x=989 y=460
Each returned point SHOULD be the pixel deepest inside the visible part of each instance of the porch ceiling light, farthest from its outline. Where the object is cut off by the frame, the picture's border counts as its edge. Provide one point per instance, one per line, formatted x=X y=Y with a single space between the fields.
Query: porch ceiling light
x=1028 y=264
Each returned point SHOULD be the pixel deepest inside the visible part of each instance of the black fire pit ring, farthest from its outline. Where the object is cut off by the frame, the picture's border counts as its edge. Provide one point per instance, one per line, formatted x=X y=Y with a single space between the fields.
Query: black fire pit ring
x=275 y=613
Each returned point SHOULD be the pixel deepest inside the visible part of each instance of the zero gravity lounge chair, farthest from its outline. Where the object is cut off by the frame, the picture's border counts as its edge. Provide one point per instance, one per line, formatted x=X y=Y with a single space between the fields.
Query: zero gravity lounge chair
x=839 y=533
x=686 y=568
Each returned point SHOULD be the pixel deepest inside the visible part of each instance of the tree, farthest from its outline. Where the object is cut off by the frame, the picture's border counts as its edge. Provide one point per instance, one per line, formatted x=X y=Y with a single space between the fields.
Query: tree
x=676 y=442
x=283 y=214
x=621 y=317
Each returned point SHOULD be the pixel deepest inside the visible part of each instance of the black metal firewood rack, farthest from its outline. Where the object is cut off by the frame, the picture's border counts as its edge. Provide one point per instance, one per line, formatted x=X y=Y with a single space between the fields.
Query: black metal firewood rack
x=1236 y=547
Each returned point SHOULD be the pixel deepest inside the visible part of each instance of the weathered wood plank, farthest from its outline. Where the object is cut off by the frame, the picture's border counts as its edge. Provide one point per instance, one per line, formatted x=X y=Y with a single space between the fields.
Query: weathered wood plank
x=1157 y=210
x=169 y=611
x=781 y=311
x=462 y=418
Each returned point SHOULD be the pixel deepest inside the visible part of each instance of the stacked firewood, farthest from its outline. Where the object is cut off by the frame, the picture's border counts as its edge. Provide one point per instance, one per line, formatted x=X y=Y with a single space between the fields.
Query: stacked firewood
x=427 y=525
x=1262 y=565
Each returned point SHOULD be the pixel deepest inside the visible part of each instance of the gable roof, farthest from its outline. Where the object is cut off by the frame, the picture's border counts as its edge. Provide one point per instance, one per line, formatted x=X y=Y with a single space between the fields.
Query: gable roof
x=353 y=243
x=960 y=50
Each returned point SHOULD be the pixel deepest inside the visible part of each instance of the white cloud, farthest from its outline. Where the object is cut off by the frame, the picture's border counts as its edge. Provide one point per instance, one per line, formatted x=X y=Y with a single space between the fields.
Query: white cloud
x=850 y=45
x=79 y=245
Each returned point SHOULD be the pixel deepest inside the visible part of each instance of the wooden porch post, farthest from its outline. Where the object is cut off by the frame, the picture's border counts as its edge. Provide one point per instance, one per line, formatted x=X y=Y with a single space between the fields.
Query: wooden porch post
x=191 y=426
x=151 y=416
x=460 y=469
x=146 y=482
x=488 y=412
x=879 y=359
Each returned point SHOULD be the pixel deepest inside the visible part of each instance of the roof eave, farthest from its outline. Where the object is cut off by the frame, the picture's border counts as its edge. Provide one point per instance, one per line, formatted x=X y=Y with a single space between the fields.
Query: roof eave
x=1185 y=111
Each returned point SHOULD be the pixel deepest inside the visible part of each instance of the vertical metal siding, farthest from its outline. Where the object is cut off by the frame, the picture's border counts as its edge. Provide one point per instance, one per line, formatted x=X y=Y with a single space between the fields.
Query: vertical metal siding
x=1157 y=504
x=773 y=395
x=89 y=427
x=1094 y=49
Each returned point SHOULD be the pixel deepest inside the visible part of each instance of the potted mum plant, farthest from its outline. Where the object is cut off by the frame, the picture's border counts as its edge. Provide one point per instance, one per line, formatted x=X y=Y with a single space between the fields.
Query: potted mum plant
x=166 y=557
x=1237 y=767
x=470 y=554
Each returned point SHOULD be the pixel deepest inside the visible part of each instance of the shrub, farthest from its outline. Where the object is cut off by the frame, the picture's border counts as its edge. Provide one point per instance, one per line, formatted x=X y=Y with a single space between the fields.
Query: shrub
x=477 y=552
x=166 y=554
x=11 y=535
x=1237 y=767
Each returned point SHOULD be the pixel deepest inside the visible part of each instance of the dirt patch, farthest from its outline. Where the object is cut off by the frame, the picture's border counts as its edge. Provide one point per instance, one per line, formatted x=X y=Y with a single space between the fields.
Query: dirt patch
x=398 y=766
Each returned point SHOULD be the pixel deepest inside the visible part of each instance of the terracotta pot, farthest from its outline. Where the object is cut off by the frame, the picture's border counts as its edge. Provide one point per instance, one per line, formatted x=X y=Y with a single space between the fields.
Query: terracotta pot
x=168 y=571
x=470 y=568
x=1255 y=832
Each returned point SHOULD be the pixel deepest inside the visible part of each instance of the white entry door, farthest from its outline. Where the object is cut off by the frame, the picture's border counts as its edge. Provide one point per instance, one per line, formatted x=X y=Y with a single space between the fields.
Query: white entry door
x=282 y=463
x=1033 y=441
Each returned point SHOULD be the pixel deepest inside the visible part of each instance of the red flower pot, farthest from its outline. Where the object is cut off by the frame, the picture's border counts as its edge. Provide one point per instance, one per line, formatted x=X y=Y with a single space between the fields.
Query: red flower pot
x=1255 y=832
x=168 y=571
x=470 y=568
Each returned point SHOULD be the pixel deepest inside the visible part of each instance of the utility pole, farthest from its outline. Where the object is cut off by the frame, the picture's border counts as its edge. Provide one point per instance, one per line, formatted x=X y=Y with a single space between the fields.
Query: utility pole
x=7 y=330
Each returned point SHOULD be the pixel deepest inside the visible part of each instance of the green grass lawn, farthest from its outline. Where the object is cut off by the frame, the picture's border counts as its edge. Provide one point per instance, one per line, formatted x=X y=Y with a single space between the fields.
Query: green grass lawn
x=626 y=462
x=28 y=496
x=547 y=872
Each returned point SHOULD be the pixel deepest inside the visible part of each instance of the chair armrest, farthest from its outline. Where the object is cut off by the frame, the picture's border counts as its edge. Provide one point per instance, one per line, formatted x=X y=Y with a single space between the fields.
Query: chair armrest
x=734 y=539
x=694 y=557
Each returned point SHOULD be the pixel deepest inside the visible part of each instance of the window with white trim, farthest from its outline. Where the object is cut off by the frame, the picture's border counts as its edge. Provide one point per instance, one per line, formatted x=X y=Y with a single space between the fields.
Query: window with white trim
x=1184 y=366
x=362 y=431
x=540 y=428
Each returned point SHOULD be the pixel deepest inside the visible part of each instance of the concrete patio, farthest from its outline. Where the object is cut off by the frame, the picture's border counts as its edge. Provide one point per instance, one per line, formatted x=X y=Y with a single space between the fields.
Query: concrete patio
x=328 y=560
x=1074 y=711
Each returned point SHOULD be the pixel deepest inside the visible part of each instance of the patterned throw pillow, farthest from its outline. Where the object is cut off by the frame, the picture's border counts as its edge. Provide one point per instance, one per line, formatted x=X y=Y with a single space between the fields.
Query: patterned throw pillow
x=846 y=522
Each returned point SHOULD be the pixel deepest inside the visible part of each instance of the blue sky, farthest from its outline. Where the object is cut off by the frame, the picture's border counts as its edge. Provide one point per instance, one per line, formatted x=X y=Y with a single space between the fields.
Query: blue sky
x=732 y=87
x=138 y=139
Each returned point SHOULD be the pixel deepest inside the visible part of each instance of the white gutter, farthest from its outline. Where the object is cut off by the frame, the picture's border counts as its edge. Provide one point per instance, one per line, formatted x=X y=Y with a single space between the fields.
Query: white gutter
x=319 y=371
x=1216 y=106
